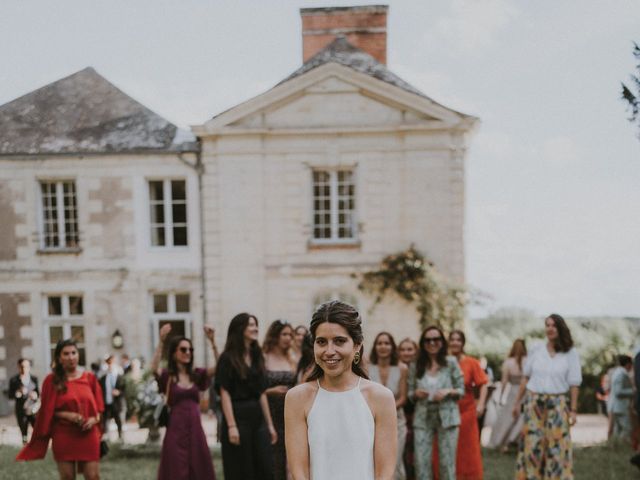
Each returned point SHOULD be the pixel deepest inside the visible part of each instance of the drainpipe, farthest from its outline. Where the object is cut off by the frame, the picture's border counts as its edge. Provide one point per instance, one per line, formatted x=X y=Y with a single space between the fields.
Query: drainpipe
x=199 y=169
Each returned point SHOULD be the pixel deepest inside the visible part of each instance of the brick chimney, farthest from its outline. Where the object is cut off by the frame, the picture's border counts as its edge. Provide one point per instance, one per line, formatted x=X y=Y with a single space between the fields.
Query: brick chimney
x=364 y=27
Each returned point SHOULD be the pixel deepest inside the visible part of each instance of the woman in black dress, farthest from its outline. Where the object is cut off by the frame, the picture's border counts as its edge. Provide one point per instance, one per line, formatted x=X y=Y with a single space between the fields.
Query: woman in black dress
x=281 y=376
x=247 y=431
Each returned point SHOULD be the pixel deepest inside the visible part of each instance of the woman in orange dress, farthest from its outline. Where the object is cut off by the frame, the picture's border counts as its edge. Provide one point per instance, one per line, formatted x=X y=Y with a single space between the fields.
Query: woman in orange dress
x=69 y=416
x=469 y=456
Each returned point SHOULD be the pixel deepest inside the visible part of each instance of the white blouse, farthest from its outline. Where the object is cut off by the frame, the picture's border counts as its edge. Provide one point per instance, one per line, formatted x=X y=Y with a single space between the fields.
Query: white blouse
x=552 y=375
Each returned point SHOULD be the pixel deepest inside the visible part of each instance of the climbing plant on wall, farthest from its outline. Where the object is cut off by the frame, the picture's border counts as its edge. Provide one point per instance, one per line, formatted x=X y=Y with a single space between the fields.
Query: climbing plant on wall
x=413 y=278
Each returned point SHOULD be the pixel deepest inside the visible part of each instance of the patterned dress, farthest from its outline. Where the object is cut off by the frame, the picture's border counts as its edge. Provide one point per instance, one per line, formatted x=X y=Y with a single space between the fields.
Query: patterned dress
x=276 y=406
x=545 y=446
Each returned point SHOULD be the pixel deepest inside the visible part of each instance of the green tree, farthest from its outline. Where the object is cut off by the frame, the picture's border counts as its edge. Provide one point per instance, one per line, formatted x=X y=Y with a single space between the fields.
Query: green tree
x=631 y=93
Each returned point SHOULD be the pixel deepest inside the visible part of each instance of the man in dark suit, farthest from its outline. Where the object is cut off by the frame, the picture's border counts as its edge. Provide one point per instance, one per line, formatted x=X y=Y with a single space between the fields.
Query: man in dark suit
x=112 y=383
x=23 y=388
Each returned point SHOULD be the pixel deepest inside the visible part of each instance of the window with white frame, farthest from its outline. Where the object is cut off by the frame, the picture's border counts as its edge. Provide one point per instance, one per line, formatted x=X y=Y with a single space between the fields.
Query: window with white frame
x=334 y=205
x=64 y=319
x=59 y=216
x=168 y=213
x=172 y=308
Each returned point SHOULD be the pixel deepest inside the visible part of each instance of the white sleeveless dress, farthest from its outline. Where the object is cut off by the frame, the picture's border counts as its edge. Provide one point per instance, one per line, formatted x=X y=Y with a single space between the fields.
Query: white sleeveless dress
x=341 y=429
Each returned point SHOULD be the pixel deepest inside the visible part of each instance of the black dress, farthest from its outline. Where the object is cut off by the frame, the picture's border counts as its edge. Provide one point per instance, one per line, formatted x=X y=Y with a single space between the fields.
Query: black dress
x=252 y=459
x=276 y=406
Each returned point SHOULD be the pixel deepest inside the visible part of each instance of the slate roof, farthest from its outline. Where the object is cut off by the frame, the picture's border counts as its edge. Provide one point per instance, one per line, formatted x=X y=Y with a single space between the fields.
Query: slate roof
x=85 y=113
x=342 y=52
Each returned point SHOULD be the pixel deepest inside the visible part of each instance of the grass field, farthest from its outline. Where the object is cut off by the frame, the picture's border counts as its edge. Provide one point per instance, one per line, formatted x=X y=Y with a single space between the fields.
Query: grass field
x=591 y=463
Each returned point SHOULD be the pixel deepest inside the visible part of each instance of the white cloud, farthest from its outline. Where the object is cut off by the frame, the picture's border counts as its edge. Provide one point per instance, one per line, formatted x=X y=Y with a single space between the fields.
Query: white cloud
x=472 y=24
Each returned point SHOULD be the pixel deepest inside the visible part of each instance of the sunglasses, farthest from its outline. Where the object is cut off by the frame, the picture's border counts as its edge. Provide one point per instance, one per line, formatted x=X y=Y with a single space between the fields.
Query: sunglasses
x=186 y=349
x=433 y=340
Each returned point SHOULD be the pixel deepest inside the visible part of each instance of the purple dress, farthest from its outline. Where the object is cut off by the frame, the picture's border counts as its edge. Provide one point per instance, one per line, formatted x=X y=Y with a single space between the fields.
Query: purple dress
x=185 y=453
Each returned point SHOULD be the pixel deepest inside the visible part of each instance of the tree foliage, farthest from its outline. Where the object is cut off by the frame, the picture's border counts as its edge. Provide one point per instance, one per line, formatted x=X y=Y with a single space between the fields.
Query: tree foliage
x=410 y=276
x=631 y=93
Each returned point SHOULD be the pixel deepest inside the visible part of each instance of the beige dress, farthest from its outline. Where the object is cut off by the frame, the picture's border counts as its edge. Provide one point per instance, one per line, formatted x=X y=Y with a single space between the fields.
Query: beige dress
x=393 y=384
x=506 y=429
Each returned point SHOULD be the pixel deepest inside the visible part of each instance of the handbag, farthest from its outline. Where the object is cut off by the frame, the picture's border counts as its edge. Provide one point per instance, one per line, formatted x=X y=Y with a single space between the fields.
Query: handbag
x=31 y=406
x=164 y=413
x=104 y=448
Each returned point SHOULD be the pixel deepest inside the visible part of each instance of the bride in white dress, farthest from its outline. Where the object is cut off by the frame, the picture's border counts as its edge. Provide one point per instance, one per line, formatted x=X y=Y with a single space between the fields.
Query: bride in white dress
x=338 y=424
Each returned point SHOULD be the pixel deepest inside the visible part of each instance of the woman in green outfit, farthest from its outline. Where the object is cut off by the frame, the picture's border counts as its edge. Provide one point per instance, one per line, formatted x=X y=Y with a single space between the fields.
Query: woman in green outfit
x=435 y=385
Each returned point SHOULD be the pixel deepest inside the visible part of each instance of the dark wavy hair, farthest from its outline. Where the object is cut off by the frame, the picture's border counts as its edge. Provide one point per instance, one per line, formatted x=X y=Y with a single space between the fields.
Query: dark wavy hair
x=373 y=356
x=59 y=380
x=424 y=361
x=235 y=349
x=306 y=355
x=564 y=342
x=462 y=336
x=346 y=316
x=172 y=365
x=272 y=337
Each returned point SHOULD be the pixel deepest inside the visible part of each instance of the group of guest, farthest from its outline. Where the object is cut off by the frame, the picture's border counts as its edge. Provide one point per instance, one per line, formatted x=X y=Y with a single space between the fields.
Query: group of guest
x=446 y=392
x=439 y=393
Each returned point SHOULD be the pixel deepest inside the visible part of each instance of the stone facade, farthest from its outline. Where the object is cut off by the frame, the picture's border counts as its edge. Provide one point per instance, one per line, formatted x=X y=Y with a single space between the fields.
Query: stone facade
x=115 y=269
x=407 y=157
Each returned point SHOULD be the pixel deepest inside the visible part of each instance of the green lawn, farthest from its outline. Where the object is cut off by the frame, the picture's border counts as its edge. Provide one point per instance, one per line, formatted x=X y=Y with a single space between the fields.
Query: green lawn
x=602 y=462
x=138 y=463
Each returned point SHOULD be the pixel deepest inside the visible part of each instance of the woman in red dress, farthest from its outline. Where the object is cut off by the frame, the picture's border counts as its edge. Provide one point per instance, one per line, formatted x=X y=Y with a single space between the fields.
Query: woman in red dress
x=69 y=416
x=469 y=456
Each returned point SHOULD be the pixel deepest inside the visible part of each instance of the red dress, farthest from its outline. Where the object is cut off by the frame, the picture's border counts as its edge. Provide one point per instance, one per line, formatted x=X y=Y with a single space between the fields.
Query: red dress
x=70 y=443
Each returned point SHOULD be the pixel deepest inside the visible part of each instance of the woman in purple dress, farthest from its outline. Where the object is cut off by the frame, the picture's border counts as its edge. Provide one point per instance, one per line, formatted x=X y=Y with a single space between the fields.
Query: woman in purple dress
x=185 y=453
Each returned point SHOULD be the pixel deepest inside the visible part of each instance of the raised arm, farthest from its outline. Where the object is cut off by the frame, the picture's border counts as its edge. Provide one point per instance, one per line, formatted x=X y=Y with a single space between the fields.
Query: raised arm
x=210 y=333
x=157 y=355
x=295 y=433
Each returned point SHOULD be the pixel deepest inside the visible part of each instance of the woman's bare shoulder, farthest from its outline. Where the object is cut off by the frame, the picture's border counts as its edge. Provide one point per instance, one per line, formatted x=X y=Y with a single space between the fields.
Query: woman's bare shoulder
x=375 y=391
x=303 y=393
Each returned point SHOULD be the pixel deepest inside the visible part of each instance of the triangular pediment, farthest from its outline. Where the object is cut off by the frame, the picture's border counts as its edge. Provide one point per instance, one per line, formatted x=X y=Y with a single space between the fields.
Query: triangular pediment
x=333 y=102
x=334 y=96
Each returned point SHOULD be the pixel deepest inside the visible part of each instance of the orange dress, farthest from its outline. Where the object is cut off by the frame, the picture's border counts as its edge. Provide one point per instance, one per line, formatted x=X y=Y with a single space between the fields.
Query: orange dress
x=469 y=456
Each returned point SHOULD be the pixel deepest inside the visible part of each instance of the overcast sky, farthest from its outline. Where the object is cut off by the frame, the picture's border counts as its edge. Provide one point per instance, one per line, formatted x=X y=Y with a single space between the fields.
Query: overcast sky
x=553 y=173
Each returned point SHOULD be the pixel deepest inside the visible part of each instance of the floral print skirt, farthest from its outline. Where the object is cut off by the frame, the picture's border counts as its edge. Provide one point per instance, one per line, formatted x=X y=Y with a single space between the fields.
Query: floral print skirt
x=545 y=444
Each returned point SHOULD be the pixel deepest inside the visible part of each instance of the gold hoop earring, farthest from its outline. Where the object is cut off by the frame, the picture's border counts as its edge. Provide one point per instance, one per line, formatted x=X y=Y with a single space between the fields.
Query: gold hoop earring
x=356 y=358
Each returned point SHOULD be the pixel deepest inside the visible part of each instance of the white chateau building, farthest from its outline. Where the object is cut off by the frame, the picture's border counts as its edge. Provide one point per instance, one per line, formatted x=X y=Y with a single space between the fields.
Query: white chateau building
x=115 y=220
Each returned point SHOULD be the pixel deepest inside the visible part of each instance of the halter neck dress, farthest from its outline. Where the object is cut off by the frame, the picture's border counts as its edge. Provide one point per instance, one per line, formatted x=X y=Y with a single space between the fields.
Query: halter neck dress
x=340 y=429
